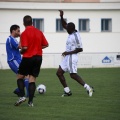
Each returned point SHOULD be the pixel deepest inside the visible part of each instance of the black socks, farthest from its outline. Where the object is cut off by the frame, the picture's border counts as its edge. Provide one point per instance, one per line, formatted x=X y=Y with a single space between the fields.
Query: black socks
x=20 y=84
x=31 y=89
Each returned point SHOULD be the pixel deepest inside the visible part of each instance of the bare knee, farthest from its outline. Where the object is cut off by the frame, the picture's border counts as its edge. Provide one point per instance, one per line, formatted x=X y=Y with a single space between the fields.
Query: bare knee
x=19 y=76
x=59 y=72
x=73 y=75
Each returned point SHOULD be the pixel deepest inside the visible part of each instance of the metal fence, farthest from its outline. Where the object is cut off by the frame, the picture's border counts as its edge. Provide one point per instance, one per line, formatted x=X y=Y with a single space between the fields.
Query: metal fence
x=86 y=60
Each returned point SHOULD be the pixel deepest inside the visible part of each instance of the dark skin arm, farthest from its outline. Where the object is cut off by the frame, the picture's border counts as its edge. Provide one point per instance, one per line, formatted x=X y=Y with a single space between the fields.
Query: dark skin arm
x=77 y=50
x=64 y=24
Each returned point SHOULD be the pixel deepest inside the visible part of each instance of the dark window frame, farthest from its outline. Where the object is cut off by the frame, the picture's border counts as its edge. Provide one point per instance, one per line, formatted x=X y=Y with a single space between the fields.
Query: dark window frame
x=38 y=23
x=59 y=27
x=106 y=25
x=84 y=24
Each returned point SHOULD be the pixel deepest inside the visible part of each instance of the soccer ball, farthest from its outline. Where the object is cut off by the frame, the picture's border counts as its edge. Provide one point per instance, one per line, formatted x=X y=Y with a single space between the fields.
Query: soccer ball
x=41 y=89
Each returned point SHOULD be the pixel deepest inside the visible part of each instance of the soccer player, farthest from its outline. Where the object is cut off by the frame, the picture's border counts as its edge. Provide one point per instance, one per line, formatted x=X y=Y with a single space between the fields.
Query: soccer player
x=13 y=54
x=32 y=42
x=69 y=62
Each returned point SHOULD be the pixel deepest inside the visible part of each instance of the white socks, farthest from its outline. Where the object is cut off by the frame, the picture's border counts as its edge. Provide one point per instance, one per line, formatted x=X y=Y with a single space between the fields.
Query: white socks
x=67 y=89
x=87 y=87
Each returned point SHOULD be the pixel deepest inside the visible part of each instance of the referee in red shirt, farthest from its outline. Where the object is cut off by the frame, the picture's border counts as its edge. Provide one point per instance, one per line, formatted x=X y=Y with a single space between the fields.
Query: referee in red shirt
x=32 y=42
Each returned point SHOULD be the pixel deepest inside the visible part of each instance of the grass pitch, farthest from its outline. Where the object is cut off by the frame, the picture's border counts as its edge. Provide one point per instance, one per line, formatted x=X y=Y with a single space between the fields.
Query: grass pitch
x=104 y=105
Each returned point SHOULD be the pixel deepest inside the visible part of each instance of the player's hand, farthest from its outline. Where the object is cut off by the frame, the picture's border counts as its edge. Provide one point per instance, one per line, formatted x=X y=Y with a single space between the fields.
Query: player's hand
x=61 y=12
x=65 y=53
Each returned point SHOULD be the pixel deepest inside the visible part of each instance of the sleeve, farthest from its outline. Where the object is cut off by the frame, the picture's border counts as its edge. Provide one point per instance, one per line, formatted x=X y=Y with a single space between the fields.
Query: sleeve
x=14 y=43
x=23 y=40
x=79 y=42
x=79 y=45
x=44 y=41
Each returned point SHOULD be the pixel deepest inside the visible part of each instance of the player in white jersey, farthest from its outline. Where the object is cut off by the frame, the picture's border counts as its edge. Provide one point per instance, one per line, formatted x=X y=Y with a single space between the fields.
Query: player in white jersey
x=70 y=60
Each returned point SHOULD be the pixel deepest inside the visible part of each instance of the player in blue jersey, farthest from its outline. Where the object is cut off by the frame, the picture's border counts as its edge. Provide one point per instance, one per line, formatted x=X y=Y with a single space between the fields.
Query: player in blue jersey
x=13 y=54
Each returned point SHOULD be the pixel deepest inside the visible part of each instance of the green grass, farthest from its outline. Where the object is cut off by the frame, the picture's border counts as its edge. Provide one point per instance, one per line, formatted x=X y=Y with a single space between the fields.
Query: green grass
x=104 y=105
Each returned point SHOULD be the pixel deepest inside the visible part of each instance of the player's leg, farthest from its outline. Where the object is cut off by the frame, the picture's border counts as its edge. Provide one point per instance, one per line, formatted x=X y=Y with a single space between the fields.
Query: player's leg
x=22 y=72
x=80 y=81
x=31 y=89
x=61 y=70
x=26 y=83
x=20 y=83
x=61 y=77
x=60 y=74
x=34 y=70
x=17 y=92
x=73 y=74
x=14 y=64
x=76 y=77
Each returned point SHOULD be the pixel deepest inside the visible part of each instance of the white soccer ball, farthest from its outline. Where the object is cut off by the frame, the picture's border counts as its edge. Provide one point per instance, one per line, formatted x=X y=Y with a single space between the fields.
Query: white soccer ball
x=41 y=89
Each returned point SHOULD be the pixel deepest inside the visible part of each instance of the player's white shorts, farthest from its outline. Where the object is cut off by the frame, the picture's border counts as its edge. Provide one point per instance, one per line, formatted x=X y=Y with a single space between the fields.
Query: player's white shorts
x=69 y=63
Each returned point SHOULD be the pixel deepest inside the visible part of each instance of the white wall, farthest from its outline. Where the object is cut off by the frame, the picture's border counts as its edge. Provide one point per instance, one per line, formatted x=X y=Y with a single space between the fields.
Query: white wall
x=94 y=41
x=109 y=0
x=86 y=60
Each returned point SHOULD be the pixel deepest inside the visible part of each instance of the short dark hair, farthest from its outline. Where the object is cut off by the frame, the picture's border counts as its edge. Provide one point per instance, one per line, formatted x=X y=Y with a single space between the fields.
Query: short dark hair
x=14 y=27
x=27 y=20
x=71 y=25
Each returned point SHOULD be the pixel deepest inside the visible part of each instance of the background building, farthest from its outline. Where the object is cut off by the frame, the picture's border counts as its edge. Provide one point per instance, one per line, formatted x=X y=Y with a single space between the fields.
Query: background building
x=97 y=21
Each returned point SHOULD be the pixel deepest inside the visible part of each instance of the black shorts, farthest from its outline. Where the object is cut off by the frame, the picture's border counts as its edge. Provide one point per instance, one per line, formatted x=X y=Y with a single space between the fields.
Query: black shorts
x=30 y=66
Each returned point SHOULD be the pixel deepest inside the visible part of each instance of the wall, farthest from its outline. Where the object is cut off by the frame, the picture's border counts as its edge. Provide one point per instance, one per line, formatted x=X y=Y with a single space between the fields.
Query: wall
x=93 y=42
x=61 y=1
x=86 y=60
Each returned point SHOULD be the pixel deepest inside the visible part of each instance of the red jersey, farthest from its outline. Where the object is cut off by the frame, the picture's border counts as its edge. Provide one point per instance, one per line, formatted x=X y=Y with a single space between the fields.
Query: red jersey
x=33 y=39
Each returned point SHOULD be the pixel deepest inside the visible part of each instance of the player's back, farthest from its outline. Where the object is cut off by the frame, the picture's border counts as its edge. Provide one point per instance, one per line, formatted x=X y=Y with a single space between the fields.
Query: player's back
x=32 y=39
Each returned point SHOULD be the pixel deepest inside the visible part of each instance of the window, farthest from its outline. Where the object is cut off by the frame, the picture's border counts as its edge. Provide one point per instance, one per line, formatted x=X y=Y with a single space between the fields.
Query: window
x=106 y=25
x=59 y=27
x=38 y=23
x=84 y=25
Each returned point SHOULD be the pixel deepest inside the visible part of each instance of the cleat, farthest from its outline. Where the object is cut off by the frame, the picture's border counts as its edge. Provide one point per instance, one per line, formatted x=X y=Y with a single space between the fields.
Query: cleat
x=30 y=104
x=66 y=94
x=90 y=91
x=21 y=100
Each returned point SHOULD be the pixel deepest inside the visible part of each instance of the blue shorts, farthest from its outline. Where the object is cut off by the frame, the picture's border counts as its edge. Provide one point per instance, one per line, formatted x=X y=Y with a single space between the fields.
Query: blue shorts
x=14 y=65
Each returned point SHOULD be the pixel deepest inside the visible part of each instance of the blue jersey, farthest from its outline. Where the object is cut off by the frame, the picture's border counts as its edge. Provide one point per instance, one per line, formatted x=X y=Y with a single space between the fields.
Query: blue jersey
x=12 y=49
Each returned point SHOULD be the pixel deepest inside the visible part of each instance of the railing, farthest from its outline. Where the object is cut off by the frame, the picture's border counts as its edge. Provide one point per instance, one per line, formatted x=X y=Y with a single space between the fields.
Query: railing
x=86 y=60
